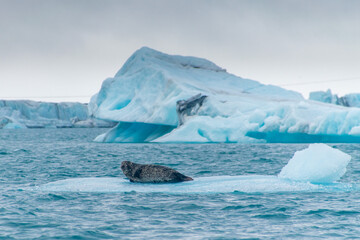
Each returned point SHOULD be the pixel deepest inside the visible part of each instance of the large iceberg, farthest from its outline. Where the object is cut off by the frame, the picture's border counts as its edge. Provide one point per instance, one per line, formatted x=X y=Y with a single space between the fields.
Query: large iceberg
x=156 y=97
x=31 y=114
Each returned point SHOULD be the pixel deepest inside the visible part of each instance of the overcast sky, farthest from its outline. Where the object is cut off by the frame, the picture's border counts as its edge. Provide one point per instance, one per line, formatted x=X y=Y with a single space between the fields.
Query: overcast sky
x=66 y=48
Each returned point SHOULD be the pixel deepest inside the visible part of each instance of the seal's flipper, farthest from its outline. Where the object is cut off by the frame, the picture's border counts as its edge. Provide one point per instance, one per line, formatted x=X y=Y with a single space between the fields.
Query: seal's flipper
x=188 y=179
x=137 y=173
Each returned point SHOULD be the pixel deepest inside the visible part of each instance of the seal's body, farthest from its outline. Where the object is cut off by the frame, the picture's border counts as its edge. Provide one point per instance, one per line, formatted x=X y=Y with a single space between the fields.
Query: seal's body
x=149 y=173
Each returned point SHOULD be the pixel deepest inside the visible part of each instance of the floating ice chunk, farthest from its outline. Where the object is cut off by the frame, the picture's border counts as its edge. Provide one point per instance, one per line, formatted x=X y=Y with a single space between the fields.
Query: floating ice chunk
x=215 y=184
x=355 y=131
x=8 y=123
x=13 y=125
x=319 y=163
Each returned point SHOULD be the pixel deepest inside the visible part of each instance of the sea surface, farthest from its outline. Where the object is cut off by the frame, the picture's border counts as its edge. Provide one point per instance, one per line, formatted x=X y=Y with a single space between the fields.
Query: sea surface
x=59 y=184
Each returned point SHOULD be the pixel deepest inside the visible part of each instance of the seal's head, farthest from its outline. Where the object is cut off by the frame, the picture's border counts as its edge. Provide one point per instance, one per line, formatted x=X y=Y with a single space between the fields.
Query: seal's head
x=127 y=167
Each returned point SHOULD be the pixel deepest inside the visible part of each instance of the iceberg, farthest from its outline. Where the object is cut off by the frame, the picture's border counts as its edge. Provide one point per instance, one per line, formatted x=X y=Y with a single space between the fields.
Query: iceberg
x=328 y=97
x=156 y=97
x=8 y=123
x=319 y=163
x=31 y=114
x=348 y=100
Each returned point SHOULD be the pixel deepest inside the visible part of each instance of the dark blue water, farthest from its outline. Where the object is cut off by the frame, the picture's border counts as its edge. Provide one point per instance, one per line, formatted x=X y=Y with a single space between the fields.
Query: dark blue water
x=33 y=158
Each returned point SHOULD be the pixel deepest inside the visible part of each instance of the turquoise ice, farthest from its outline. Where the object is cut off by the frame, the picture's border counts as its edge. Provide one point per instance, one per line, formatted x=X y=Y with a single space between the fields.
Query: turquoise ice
x=142 y=98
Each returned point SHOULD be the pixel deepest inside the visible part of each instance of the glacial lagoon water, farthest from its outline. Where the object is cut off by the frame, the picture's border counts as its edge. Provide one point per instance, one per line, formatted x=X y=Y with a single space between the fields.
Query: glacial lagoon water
x=59 y=184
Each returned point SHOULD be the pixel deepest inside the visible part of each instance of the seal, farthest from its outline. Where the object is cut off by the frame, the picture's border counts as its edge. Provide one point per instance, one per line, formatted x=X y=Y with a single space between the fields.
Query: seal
x=149 y=173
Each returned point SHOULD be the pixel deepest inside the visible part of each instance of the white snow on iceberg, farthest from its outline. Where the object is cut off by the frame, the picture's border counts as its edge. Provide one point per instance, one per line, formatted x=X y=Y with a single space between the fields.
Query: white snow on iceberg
x=144 y=96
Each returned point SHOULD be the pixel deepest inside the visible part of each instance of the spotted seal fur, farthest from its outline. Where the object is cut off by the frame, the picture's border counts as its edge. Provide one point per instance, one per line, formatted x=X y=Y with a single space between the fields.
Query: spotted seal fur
x=149 y=173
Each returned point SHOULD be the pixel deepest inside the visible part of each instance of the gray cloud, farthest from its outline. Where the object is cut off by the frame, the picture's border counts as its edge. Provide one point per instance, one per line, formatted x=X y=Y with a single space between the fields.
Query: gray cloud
x=68 y=47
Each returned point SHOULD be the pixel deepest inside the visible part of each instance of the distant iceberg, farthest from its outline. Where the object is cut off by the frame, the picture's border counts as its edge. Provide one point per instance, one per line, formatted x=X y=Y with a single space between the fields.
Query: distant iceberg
x=348 y=100
x=146 y=94
x=31 y=114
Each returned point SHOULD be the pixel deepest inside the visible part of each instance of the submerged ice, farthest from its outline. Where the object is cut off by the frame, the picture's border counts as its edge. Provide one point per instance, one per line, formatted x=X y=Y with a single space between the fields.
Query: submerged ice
x=317 y=168
x=144 y=97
